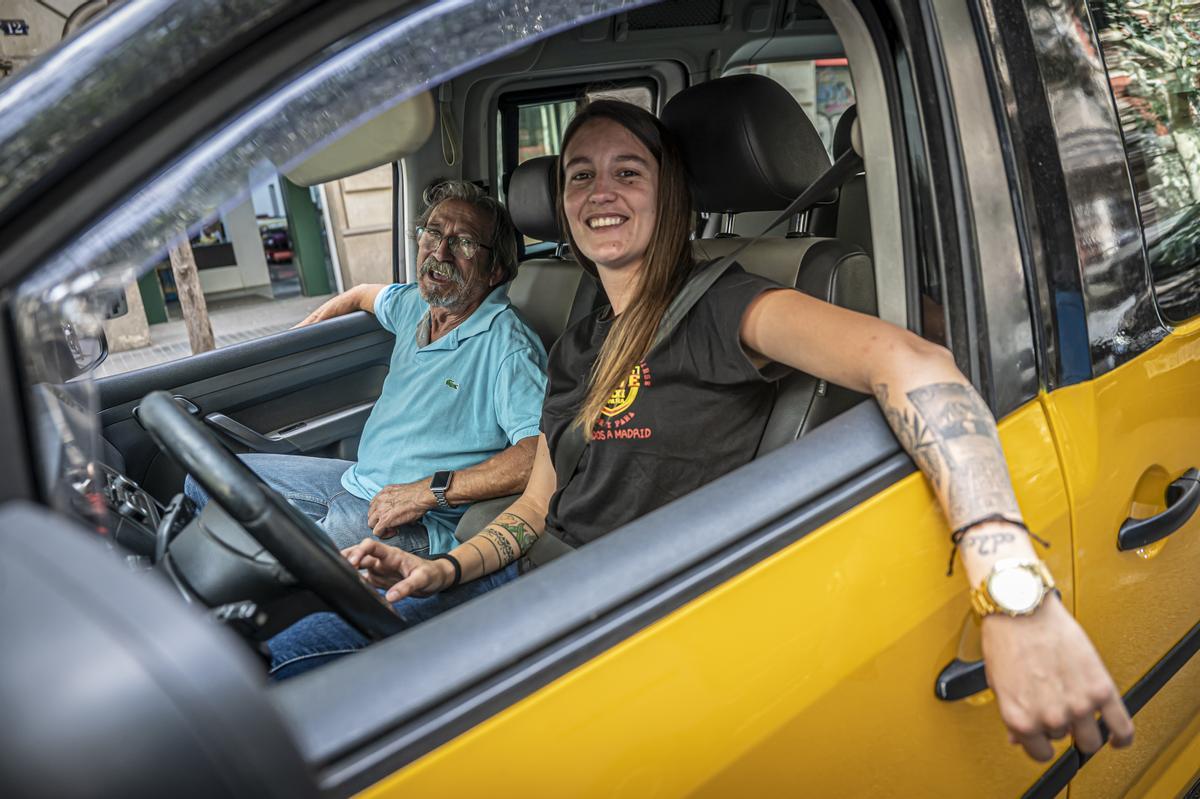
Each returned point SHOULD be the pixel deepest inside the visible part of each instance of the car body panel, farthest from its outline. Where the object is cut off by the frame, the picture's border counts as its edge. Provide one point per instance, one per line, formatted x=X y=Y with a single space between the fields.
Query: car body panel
x=1124 y=437
x=849 y=671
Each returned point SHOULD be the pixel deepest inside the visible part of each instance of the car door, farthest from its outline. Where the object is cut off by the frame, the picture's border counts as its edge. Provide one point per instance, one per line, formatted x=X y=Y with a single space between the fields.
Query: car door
x=1130 y=437
x=802 y=646
x=303 y=392
x=1118 y=279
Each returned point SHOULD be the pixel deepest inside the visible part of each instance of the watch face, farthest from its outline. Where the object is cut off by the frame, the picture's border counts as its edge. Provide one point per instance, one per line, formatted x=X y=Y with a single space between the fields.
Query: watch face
x=1016 y=590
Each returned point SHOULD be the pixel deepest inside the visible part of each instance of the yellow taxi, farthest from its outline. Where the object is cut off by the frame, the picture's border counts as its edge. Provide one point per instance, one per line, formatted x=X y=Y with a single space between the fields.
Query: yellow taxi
x=1028 y=198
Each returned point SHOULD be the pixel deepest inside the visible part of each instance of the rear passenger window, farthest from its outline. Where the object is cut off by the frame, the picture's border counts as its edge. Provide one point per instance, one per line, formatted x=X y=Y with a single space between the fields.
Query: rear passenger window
x=1150 y=48
x=531 y=125
x=822 y=87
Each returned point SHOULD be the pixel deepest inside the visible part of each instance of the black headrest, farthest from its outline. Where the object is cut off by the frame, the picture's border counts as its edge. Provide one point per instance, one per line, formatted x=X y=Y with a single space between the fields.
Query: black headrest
x=531 y=191
x=841 y=134
x=747 y=143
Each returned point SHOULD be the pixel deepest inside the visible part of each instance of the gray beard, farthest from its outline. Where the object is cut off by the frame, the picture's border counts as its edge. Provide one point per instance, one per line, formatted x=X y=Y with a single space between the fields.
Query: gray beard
x=454 y=294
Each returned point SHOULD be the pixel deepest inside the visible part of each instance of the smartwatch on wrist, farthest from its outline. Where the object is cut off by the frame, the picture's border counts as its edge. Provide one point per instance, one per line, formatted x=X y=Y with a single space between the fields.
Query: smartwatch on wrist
x=439 y=485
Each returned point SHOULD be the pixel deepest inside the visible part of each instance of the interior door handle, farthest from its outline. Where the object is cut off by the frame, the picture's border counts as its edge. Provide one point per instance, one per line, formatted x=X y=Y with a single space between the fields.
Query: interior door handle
x=274 y=444
x=1183 y=498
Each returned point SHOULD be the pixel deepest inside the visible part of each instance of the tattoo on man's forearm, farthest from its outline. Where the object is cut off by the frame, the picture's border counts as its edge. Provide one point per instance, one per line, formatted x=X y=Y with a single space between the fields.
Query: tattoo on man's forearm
x=518 y=528
x=988 y=543
x=503 y=548
x=951 y=434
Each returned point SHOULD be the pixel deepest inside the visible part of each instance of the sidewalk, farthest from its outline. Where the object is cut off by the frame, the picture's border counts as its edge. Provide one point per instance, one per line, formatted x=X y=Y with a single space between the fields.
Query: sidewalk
x=233 y=321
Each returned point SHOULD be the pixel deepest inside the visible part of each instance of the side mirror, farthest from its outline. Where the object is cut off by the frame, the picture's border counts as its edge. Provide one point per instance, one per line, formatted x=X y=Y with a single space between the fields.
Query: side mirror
x=80 y=350
x=111 y=303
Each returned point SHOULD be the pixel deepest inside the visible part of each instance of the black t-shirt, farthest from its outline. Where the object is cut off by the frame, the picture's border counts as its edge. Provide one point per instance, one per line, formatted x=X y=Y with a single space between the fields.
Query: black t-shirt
x=693 y=410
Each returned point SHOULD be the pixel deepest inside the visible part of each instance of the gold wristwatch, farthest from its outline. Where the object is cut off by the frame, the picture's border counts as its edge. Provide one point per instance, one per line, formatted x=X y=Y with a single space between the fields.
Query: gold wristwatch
x=1015 y=587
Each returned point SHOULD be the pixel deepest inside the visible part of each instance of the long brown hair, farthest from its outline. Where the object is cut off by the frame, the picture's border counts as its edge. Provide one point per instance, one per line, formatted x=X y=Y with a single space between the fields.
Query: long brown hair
x=665 y=266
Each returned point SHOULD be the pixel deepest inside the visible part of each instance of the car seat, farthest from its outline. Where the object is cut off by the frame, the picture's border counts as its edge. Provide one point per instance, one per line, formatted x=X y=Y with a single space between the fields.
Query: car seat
x=749 y=146
x=552 y=292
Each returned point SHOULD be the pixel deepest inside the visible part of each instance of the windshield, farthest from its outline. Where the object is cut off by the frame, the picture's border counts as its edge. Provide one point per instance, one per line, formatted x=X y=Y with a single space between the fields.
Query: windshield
x=60 y=310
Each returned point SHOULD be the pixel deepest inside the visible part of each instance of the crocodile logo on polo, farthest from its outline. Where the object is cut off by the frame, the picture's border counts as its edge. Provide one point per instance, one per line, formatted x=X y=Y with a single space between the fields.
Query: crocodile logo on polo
x=450 y=382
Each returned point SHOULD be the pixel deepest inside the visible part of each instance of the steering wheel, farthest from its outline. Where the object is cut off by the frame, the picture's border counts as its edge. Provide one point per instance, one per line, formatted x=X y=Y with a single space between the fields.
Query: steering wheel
x=290 y=536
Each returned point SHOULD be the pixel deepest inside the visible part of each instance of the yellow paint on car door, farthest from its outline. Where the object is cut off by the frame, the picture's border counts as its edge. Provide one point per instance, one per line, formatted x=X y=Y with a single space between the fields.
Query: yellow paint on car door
x=810 y=674
x=1123 y=438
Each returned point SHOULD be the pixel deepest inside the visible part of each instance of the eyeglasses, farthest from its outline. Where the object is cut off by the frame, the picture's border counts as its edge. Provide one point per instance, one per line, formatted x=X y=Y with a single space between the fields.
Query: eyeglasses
x=461 y=246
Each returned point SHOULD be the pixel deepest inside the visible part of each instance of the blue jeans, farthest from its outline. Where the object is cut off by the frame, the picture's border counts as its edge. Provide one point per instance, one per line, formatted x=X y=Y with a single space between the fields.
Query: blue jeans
x=317 y=639
x=314 y=486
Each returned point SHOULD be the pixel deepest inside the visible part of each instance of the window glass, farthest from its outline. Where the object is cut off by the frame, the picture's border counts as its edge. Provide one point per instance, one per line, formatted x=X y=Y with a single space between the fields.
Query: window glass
x=218 y=195
x=537 y=126
x=257 y=267
x=821 y=86
x=1152 y=49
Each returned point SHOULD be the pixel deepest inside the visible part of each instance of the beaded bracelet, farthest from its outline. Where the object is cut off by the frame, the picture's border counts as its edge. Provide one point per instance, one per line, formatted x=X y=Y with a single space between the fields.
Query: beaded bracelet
x=957 y=536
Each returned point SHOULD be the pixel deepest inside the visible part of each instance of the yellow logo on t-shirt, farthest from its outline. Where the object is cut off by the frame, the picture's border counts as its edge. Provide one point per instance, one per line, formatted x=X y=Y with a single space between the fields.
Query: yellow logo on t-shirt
x=624 y=394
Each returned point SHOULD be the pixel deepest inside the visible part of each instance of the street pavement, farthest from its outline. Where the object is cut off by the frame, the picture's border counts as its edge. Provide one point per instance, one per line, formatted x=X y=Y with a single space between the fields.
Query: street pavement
x=233 y=321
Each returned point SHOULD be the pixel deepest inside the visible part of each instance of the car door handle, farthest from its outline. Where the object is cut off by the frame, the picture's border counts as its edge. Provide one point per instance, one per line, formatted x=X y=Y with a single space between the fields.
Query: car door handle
x=960 y=679
x=273 y=444
x=1183 y=498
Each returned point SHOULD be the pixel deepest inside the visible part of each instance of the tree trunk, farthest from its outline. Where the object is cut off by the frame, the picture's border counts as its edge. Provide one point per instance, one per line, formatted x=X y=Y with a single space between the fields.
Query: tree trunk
x=191 y=298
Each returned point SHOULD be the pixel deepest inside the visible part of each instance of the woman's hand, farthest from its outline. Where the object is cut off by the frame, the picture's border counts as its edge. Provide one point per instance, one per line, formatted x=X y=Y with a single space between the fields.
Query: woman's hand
x=1049 y=681
x=402 y=573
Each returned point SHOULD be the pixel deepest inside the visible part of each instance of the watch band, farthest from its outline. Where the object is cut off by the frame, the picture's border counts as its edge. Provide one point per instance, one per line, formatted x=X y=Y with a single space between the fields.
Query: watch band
x=438 y=485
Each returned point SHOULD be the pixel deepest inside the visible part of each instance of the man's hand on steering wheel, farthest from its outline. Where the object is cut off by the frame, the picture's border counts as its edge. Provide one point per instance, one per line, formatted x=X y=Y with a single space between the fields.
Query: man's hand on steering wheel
x=402 y=573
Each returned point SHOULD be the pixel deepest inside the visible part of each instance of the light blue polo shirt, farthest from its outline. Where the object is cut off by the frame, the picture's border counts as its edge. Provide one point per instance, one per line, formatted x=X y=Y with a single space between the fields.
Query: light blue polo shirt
x=450 y=404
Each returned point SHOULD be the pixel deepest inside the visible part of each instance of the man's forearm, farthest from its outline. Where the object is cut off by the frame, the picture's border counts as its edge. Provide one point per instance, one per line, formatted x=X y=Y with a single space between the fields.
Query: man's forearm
x=948 y=430
x=504 y=473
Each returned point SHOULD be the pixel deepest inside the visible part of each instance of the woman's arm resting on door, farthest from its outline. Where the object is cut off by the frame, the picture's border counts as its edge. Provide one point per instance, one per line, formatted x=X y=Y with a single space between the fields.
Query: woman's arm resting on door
x=1046 y=674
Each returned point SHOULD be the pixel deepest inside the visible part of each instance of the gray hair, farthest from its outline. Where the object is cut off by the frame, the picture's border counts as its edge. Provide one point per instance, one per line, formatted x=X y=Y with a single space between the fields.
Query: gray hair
x=504 y=233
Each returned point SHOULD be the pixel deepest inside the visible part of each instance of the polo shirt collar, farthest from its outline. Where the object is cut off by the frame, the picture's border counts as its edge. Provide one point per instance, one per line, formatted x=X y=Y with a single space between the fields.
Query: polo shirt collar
x=478 y=322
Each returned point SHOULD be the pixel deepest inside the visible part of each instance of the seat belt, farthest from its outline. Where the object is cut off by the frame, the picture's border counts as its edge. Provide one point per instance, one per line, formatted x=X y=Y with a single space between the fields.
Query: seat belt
x=571 y=446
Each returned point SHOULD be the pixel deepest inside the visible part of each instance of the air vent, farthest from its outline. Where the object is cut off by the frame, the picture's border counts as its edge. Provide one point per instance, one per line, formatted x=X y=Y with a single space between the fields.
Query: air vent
x=676 y=14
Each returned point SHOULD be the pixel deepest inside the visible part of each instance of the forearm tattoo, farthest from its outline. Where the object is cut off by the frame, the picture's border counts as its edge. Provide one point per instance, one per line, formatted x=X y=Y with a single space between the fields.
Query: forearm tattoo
x=987 y=543
x=479 y=552
x=503 y=549
x=518 y=528
x=950 y=433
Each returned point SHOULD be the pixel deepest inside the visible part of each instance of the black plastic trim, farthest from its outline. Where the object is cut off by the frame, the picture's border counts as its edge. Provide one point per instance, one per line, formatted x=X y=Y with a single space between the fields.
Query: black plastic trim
x=1000 y=84
x=960 y=679
x=132 y=386
x=572 y=610
x=1183 y=499
x=1051 y=783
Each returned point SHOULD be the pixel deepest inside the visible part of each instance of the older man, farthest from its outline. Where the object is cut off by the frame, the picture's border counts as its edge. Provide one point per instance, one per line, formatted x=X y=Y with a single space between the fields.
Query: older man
x=458 y=417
